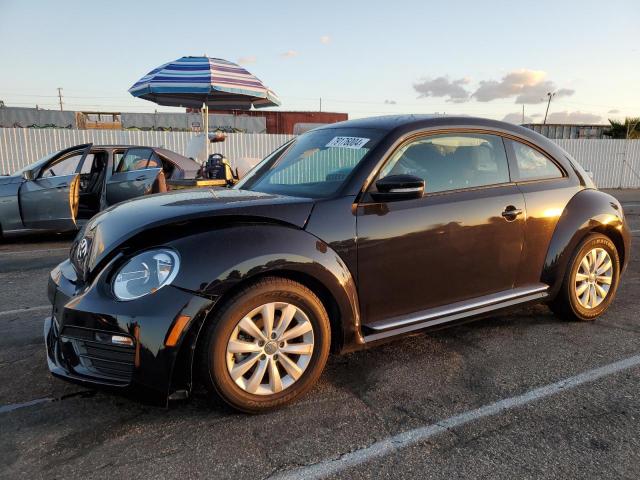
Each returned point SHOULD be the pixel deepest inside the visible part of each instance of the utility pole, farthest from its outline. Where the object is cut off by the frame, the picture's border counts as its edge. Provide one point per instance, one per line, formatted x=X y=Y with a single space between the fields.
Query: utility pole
x=60 y=98
x=550 y=95
x=631 y=126
x=320 y=103
x=523 y=113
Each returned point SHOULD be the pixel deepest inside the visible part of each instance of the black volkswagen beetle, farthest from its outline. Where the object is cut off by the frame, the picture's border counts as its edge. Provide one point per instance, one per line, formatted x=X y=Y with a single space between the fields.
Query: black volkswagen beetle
x=350 y=234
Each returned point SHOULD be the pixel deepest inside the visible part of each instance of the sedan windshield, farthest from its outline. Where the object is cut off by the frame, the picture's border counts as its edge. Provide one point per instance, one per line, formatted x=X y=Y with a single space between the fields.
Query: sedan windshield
x=315 y=165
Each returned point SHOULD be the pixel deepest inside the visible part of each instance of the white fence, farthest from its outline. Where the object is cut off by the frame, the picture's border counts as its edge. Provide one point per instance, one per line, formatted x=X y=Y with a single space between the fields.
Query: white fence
x=22 y=146
x=614 y=163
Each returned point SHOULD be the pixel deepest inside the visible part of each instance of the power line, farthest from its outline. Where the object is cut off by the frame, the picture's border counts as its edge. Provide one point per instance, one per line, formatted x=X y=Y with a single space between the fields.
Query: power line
x=330 y=100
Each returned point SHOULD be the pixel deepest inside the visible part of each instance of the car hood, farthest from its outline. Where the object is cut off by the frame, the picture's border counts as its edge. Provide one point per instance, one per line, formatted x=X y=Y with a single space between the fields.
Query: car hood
x=117 y=224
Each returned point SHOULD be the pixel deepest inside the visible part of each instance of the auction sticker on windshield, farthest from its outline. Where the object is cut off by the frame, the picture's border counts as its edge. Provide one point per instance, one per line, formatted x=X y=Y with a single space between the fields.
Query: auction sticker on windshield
x=348 y=142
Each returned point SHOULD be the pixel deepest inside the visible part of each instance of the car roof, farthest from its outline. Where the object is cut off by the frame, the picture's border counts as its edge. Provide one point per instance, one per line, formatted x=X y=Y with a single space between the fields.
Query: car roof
x=418 y=121
x=402 y=124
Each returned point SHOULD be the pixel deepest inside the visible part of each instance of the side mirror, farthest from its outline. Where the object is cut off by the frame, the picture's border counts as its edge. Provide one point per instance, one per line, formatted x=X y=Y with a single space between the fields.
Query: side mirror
x=398 y=187
x=27 y=175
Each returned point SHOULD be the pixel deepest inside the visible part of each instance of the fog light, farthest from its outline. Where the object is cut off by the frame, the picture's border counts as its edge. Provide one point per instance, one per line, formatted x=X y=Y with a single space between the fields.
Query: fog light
x=121 y=340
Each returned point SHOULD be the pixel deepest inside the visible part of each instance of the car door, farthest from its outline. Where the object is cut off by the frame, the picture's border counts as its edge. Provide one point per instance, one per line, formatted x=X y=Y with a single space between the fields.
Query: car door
x=547 y=189
x=135 y=175
x=50 y=200
x=460 y=241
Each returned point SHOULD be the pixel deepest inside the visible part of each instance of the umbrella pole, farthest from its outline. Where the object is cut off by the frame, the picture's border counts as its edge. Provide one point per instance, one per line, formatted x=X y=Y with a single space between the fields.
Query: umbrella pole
x=206 y=130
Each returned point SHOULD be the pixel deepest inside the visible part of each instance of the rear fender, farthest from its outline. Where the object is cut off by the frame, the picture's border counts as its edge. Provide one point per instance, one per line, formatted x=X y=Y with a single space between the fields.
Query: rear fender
x=587 y=212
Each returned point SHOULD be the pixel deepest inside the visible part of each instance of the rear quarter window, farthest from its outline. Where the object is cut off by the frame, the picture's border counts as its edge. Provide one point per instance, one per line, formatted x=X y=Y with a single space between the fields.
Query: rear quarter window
x=532 y=164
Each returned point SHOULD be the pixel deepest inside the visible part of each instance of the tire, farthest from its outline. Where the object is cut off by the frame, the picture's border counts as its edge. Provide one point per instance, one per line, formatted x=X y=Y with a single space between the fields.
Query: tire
x=569 y=304
x=257 y=390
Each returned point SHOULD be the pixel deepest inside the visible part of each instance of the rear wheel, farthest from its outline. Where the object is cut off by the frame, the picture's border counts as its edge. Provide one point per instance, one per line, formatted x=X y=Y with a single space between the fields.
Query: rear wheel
x=591 y=281
x=266 y=346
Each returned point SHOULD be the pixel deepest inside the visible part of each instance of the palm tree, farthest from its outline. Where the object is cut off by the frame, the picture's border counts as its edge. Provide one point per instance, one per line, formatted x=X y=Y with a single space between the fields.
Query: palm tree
x=630 y=128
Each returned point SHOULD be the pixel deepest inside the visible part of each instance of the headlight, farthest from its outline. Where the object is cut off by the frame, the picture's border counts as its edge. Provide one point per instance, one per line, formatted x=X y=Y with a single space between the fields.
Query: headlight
x=146 y=273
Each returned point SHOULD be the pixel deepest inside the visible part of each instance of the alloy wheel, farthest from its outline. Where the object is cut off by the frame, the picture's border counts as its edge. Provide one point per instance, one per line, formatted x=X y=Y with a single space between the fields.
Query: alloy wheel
x=270 y=348
x=593 y=278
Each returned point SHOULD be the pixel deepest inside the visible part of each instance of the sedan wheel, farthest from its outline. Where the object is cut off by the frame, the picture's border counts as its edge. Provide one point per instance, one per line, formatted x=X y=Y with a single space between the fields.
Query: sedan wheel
x=593 y=278
x=590 y=281
x=270 y=348
x=266 y=346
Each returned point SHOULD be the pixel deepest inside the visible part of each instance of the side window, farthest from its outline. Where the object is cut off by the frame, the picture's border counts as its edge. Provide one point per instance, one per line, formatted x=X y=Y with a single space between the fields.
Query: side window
x=154 y=161
x=533 y=165
x=117 y=158
x=135 y=159
x=452 y=161
x=64 y=166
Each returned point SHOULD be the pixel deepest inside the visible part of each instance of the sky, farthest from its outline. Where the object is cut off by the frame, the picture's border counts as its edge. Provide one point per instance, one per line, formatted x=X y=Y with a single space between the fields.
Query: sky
x=364 y=58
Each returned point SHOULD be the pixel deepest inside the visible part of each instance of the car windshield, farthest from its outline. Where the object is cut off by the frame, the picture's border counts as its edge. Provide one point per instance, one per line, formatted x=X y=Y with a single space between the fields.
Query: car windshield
x=315 y=165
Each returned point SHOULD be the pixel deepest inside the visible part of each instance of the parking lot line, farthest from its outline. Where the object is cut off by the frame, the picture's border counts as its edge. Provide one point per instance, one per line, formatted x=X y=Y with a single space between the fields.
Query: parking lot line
x=24 y=310
x=402 y=440
x=16 y=406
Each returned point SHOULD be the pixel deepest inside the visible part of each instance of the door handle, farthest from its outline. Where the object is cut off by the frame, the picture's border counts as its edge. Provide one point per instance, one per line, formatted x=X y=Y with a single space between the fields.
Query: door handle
x=64 y=185
x=511 y=213
x=140 y=178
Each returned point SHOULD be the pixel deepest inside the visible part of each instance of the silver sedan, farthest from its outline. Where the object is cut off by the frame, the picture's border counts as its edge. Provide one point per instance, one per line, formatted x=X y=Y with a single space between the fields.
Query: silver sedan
x=64 y=189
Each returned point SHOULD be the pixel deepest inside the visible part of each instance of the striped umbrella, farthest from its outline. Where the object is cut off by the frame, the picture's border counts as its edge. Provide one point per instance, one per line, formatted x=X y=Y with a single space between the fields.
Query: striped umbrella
x=203 y=82
x=197 y=81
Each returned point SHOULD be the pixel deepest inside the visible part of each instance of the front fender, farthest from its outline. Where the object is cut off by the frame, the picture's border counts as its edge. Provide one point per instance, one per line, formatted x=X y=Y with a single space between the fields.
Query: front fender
x=216 y=261
x=588 y=211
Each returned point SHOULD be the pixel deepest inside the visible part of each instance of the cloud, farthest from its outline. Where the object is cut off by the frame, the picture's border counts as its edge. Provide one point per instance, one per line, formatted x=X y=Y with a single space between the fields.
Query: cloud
x=614 y=111
x=390 y=102
x=443 y=87
x=516 y=117
x=525 y=86
x=576 y=117
x=528 y=86
x=247 y=60
x=290 y=54
x=325 y=39
x=573 y=117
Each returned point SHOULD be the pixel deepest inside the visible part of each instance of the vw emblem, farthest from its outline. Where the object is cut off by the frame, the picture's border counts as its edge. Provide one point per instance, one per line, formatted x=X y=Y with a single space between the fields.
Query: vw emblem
x=81 y=251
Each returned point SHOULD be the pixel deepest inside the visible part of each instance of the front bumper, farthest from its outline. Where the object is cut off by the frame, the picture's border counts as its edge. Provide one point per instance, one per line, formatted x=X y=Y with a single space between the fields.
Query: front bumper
x=94 y=340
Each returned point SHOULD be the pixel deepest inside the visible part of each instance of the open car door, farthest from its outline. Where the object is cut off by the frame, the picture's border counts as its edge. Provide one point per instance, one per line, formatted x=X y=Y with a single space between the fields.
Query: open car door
x=135 y=175
x=50 y=199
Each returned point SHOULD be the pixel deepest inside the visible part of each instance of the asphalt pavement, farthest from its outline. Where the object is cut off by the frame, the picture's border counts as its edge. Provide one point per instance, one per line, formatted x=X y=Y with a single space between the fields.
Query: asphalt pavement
x=519 y=395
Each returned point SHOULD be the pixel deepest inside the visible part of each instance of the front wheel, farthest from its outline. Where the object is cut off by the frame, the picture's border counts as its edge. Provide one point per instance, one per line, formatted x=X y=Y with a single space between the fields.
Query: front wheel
x=266 y=346
x=591 y=280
